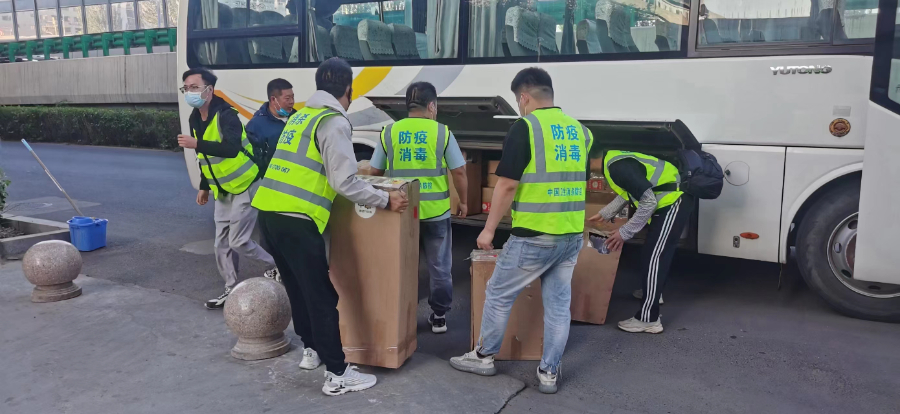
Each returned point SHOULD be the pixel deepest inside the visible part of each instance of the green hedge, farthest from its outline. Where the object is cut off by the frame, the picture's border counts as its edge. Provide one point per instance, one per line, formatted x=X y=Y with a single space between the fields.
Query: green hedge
x=144 y=128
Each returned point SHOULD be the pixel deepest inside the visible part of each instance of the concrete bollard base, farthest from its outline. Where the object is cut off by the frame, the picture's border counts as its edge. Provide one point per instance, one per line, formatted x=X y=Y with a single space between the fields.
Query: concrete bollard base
x=55 y=293
x=252 y=349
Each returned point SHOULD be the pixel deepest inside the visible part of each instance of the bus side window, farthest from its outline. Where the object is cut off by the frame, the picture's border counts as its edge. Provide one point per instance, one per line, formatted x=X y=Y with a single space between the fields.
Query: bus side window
x=383 y=30
x=228 y=15
x=566 y=27
x=805 y=21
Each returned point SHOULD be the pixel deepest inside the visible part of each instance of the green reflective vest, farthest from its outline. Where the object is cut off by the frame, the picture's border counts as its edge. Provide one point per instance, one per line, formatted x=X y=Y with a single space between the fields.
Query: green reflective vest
x=234 y=175
x=550 y=197
x=659 y=172
x=295 y=181
x=415 y=150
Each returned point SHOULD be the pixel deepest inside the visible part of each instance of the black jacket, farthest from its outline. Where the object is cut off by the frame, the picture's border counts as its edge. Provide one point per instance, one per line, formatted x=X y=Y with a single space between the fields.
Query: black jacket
x=231 y=131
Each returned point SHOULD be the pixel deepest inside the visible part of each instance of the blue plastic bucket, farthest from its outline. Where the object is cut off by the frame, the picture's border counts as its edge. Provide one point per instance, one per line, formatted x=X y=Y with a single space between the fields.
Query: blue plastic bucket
x=87 y=233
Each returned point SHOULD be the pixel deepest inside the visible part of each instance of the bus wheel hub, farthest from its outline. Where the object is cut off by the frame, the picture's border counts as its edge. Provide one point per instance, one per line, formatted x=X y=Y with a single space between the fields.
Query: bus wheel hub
x=842 y=258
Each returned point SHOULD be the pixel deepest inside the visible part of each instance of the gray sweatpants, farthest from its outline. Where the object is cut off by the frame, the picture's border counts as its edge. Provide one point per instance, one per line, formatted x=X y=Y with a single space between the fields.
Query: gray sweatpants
x=235 y=219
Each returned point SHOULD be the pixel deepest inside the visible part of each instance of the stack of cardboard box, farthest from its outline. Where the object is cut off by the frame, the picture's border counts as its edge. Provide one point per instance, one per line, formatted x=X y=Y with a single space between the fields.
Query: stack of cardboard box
x=487 y=193
x=374 y=264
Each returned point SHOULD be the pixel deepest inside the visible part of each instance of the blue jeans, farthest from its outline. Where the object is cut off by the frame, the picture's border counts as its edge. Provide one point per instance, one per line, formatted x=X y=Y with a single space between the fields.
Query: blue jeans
x=524 y=259
x=436 y=241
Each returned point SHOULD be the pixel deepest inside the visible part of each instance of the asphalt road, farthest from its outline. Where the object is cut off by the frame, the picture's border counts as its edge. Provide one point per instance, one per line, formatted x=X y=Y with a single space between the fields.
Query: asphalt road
x=734 y=342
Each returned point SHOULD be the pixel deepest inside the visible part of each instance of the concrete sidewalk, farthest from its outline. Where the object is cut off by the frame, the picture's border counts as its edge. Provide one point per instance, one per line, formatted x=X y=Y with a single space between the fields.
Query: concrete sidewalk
x=126 y=349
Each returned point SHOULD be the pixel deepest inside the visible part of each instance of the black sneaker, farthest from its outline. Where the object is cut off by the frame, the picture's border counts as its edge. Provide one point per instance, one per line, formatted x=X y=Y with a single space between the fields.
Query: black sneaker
x=219 y=302
x=438 y=323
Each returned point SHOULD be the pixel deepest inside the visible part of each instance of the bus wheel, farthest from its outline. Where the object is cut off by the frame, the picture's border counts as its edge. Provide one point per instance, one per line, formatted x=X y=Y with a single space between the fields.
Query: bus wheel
x=826 y=252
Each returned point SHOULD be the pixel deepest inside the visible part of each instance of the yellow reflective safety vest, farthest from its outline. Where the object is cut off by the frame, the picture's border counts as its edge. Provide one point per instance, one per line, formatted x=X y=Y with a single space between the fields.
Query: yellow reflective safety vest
x=295 y=181
x=659 y=172
x=551 y=193
x=415 y=149
x=234 y=175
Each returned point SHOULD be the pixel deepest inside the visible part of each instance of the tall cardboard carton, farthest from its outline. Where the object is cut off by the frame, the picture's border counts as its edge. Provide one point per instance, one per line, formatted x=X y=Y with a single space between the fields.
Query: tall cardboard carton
x=374 y=268
x=524 y=338
x=595 y=273
x=473 y=178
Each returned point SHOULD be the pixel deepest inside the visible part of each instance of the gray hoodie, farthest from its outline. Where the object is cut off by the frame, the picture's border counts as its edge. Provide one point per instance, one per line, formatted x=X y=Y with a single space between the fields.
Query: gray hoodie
x=334 y=138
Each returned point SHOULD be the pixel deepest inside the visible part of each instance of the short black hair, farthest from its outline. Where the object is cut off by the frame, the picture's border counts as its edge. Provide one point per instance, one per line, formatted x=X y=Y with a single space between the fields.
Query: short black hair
x=208 y=77
x=420 y=95
x=334 y=76
x=536 y=80
x=275 y=87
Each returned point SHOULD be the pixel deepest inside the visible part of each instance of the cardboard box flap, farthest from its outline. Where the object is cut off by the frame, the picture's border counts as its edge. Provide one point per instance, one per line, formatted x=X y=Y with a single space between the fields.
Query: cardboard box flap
x=387 y=183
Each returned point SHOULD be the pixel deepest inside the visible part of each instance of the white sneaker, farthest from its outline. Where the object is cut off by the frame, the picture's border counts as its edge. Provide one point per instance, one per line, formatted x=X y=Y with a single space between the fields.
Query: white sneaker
x=470 y=362
x=219 y=302
x=310 y=360
x=547 y=381
x=639 y=294
x=634 y=325
x=273 y=274
x=352 y=380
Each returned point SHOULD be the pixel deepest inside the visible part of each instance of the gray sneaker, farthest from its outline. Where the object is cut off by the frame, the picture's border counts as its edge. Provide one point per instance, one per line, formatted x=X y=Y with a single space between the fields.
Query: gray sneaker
x=470 y=362
x=634 y=325
x=547 y=381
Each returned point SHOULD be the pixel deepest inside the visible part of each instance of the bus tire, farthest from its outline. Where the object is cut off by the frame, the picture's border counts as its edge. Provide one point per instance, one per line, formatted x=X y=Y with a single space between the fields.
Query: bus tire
x=824 y=220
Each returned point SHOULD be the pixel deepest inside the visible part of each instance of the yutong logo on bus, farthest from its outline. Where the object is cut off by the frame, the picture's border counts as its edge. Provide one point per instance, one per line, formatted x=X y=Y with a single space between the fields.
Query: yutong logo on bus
x=790 y=70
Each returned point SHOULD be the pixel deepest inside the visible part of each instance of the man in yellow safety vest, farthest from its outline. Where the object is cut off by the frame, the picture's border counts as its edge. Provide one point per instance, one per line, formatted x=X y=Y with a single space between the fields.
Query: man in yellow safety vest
x=652 y=185
x=229 y=170
x=543 y=176
x=312 y=164
x=421 y=148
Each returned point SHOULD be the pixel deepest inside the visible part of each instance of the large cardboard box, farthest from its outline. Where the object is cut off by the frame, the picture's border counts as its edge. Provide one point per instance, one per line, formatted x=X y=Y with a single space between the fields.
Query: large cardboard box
x=492 y=180
x=473 y=176
x=487 y=198
x=524 y=338
x=595 y=273
x=374 y=268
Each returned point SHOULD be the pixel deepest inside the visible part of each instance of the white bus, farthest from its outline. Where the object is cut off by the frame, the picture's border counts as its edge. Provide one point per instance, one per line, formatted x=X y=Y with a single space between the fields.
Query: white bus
x=777 y=90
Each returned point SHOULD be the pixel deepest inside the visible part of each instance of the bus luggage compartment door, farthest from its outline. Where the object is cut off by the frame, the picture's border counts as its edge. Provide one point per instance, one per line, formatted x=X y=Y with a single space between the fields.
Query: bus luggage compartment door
x=750 y=204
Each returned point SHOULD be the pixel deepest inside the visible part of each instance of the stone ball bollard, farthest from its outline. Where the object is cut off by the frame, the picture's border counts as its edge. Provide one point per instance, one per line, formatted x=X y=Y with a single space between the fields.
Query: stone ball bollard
x=51 y=266
x=258 y=312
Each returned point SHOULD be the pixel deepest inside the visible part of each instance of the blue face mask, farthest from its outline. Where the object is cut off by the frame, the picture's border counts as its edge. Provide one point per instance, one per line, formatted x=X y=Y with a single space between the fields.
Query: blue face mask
x=281 y=111
x=194 y=99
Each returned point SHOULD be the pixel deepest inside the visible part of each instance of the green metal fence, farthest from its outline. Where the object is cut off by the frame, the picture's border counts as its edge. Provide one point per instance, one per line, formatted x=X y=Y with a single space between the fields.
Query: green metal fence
x=86 y=43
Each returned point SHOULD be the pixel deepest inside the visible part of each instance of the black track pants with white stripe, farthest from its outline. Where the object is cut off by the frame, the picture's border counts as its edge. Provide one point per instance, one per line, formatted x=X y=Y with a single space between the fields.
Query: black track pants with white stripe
x=659 y=249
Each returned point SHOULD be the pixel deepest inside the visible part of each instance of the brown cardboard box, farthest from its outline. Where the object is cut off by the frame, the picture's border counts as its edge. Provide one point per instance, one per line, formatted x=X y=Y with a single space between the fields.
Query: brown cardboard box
x=487 y=197
x=524 y=338
x=597 y=184
x=492 y=166
x=473 y=176
x=597 y=165
x=492 y=180
x=595 y=273
x=377 y=282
